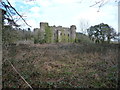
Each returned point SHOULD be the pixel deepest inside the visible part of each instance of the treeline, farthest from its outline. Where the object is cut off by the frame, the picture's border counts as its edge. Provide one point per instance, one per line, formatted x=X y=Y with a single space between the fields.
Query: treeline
x=12 y=35
x=101 y=33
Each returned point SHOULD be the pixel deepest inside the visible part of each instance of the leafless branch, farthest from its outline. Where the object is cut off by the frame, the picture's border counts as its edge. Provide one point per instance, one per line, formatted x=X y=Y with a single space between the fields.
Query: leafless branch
x=95 y=3
x=6 y=7
x=19 y=18
x=101 y=3
x=17 y=13
x=20 y=75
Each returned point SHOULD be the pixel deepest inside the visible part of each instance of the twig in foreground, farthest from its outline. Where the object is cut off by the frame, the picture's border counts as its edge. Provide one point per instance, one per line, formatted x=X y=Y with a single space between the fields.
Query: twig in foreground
x=20 y=75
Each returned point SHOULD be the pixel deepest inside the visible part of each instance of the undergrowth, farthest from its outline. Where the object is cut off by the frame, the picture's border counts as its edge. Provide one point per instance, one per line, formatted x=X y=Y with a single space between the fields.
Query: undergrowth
x=61 y=66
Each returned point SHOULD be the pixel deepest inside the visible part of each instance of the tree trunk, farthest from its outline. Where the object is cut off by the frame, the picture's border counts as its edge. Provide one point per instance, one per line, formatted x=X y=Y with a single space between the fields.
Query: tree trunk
x=108 y=39
x=1 y=47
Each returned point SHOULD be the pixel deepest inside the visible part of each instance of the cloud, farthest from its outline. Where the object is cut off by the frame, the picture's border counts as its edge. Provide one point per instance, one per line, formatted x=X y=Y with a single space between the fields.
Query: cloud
x=64 y=1
x=44 y=3
x=35 y=9
x=67 y=12
x=108 y=14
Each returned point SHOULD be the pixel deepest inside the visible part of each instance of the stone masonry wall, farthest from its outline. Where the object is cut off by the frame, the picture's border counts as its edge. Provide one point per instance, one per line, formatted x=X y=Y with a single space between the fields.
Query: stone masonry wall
x=52 y=34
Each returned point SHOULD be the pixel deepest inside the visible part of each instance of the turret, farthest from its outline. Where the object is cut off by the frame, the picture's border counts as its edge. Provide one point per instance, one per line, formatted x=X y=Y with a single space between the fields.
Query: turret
x=73 y=27
x=73 y=32
x=43 y=25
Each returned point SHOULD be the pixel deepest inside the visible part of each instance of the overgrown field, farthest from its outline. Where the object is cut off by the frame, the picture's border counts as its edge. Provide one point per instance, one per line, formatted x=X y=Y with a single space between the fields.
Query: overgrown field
x=61 y=66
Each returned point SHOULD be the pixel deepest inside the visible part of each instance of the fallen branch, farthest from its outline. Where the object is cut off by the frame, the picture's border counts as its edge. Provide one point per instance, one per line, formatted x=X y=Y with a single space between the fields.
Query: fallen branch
x=20 y=75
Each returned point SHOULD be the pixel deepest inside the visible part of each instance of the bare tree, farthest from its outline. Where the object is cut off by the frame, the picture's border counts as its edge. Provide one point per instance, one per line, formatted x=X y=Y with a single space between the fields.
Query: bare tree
x=0 y=48
x=101 y=3
x=84 y=25
x=10 y=11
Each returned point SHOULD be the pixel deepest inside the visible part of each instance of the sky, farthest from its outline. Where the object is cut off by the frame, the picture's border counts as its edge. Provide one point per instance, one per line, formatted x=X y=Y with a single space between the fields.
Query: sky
x=66 y=13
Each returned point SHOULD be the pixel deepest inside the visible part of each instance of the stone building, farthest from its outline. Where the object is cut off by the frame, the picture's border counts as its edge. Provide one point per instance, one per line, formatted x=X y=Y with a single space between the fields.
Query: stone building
x=51 y=34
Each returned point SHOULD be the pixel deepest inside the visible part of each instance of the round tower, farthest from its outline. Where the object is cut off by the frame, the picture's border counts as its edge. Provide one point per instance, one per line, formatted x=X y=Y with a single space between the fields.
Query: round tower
x=73 y=32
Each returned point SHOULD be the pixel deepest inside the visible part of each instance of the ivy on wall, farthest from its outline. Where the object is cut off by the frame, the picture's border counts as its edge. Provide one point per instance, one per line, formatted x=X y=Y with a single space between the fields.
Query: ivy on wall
x=64 y=36
x=48 y=34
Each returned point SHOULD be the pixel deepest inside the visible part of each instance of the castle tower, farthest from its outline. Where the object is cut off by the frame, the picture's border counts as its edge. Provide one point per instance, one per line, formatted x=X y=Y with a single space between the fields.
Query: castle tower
x=43 y=25
x=72 y=33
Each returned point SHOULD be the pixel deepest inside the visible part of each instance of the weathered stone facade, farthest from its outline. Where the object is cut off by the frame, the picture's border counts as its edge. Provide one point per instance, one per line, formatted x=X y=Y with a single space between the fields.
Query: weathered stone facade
x=51 y=34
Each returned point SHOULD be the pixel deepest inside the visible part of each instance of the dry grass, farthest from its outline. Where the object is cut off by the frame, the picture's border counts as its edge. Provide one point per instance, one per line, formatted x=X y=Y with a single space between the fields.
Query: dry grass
x=61 y=65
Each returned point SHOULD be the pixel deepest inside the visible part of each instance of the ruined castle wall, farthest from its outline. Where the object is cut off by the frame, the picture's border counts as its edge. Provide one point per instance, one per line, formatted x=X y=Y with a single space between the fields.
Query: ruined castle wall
x=63 y=35
x=53 y=37
x=43 y=26
x=52 y=34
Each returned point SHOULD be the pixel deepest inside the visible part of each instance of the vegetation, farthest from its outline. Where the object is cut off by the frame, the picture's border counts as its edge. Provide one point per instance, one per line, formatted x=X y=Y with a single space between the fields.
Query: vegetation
x=61 y=66
x=48 y=35
x=64 y=37
x=11 y=35
x=71 y=65
x=82 y=38
x=101 y=32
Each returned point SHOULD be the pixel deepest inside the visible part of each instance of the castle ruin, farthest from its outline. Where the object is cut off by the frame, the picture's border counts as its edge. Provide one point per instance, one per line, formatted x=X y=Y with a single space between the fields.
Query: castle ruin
x=52 y=34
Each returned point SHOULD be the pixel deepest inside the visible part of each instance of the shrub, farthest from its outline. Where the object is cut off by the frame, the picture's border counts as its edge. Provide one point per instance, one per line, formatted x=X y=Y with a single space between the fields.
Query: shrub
x=82 y=38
